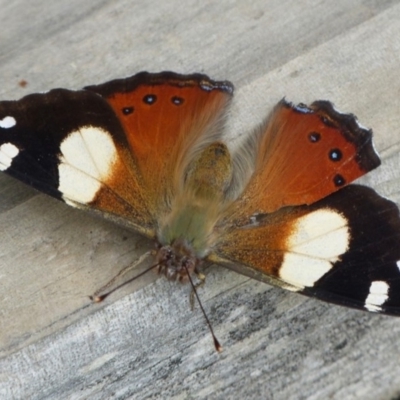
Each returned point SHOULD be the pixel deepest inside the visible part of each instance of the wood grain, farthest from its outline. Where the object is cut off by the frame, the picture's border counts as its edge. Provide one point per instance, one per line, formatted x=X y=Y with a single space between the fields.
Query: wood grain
x=144 y=342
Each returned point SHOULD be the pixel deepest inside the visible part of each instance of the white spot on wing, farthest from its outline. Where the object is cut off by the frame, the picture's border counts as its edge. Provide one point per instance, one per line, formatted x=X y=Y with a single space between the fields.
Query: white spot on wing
x=7 y=153
x=88 y=155
x=318 y=240
x=398 y=264
x=378 y=294
x=7 y=122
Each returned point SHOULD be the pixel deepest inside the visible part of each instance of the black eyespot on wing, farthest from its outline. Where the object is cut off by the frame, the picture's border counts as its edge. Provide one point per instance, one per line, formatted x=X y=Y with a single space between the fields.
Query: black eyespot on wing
x=314 y=137
x=335 y=155
x=127 y=110
x=176 y=100
x=149 y=99
x=338 y=180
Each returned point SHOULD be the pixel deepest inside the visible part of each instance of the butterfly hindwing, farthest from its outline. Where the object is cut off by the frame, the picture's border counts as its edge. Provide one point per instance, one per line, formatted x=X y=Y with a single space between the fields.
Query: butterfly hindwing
x=168 y=119
x=301 y=155
x=113 y=148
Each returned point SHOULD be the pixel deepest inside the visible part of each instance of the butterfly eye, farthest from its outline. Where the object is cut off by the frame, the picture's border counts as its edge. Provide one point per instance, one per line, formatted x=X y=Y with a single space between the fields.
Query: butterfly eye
x=127 y=110
x=314 y=137
x=335 y=155
x=150 y=99
x=177 y=100
x=338 y=180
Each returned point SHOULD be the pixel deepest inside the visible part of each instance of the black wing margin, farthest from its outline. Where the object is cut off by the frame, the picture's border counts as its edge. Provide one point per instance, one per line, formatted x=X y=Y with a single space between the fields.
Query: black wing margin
x=367 y=276
x=32 y=129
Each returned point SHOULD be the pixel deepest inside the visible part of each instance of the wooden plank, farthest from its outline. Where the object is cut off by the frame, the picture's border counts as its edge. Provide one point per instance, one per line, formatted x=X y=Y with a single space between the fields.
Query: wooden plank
x=144 y=342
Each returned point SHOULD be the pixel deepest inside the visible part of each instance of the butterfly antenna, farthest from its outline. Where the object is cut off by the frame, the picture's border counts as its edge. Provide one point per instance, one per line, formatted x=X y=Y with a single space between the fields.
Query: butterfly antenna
x=97 y=296
x=217 y=345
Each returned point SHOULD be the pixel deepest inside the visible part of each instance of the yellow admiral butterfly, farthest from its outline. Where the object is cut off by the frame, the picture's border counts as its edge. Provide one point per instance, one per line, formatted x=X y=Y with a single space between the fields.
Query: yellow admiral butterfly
x=147 y=151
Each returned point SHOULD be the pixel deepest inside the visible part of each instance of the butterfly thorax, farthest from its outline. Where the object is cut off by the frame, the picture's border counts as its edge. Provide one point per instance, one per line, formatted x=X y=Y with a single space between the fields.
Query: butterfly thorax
x=186 y=233
x=185 y=239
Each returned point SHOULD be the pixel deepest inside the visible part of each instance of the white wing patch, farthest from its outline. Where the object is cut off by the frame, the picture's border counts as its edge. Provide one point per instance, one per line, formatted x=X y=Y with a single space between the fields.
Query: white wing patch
x=318 y=240
x=378 y=294
x=7 y=153
x=7 y=122
x=88 y=156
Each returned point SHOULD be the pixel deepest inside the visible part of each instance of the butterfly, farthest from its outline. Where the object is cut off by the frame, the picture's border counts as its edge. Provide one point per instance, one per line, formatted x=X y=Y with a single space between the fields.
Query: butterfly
x=148 y=152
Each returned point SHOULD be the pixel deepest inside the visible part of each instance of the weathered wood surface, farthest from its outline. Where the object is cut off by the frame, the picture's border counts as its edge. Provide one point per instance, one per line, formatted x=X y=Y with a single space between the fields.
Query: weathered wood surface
x=144 y=342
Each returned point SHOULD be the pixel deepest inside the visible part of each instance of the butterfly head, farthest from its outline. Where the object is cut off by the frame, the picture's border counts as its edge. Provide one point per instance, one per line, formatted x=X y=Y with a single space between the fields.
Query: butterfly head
x=177 y=260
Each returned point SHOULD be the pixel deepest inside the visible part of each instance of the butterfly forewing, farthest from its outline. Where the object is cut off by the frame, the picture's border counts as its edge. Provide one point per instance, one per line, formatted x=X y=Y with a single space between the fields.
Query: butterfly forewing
x=344 y=249
x=70 y=145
